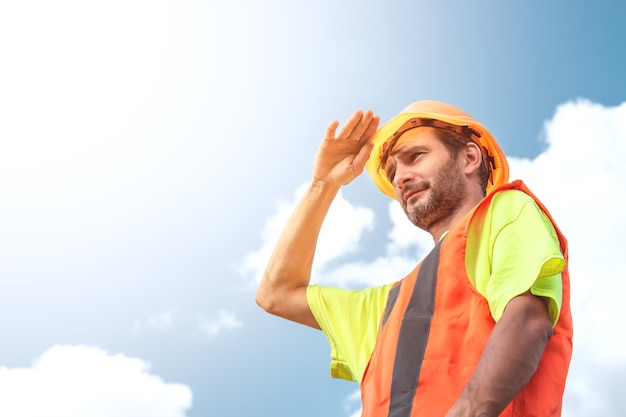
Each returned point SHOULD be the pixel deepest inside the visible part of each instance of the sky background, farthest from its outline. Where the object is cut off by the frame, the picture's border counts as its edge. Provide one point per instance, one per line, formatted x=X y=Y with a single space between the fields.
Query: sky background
x=150 y=152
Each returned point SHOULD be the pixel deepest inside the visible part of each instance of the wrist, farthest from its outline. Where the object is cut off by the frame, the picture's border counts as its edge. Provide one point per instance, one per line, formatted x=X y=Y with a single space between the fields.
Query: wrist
x=320 y=186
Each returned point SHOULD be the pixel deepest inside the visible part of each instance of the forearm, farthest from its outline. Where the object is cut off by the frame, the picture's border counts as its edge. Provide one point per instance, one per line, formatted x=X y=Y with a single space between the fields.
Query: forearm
x=509 y=360
x=340 y=158
x=289 y=268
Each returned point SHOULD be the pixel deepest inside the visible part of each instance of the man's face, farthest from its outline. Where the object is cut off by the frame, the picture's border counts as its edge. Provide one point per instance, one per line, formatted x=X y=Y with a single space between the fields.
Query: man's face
x=427 y=180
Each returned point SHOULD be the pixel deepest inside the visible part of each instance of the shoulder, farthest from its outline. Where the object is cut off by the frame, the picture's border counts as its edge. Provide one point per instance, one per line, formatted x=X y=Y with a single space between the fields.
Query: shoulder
x=511 y=206
x=511 y=199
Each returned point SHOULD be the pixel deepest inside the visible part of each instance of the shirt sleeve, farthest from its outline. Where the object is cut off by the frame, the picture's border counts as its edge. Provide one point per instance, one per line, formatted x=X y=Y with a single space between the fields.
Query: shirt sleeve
x=349 y=319
x=524 y=255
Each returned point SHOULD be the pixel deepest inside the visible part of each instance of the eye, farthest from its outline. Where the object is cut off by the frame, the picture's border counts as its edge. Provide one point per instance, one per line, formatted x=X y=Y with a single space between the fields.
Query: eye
x=416 y=155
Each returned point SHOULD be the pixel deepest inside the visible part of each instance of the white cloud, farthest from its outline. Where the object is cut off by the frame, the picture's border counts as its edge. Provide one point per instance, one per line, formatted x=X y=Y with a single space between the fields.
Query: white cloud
x=217 y=323
x=382 y=270
x=156 y=322
x=343 y=227
x=351 y=401
x=404 y=237
x=82 y=381
x=357 y=413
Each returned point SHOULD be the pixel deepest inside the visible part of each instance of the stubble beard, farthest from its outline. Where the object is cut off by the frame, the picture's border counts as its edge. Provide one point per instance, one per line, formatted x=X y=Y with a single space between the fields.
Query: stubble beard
x=447 y=193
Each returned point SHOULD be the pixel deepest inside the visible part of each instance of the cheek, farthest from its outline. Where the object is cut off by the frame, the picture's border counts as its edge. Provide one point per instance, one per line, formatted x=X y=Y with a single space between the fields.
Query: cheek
x=398 y=195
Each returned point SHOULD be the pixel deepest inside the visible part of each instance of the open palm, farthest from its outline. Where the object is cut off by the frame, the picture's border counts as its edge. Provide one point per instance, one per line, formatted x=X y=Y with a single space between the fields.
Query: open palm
x=342 y=157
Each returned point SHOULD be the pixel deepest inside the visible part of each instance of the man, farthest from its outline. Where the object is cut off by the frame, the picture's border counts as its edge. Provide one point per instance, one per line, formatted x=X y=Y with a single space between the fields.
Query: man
x=482 y=326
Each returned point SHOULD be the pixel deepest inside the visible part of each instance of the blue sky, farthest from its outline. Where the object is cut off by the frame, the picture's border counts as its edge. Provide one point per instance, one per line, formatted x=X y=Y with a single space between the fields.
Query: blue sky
x=150 y=151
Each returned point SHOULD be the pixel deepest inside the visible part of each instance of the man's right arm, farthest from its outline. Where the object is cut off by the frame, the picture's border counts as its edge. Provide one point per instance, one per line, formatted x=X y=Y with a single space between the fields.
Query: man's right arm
x=283 y=288
x=340 y=159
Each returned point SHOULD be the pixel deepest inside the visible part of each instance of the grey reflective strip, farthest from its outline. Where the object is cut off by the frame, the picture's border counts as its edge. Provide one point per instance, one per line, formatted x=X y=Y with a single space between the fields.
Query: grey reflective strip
x=413 y=337
x=391 y=301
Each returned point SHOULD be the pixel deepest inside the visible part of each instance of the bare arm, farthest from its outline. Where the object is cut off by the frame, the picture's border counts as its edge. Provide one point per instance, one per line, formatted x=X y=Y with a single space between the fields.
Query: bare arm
x=509 y=359
x=340 y=159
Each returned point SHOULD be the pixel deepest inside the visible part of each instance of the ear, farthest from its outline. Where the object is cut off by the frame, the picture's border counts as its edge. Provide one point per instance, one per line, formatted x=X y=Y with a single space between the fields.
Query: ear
x=472 y=158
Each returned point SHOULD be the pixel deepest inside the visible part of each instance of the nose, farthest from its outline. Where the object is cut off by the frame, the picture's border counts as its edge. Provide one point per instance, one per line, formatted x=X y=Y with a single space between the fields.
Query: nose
x=402 y=177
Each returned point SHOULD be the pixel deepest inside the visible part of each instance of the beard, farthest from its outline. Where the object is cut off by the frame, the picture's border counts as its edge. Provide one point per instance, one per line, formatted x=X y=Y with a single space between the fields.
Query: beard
x=447 y=194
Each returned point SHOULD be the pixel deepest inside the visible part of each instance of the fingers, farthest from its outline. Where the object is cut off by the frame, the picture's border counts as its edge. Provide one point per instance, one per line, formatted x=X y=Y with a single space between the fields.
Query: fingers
x=371 y=128
x=331 y=129
x=342 y=155
x=364 y=153
x=359 y=125
x=348 y=129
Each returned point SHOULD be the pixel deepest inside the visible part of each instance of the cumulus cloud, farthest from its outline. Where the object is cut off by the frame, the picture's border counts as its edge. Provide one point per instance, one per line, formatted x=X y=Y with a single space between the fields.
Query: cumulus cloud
x=212 y=325
x=343 y=227
x=405 y=246
x=83 y=381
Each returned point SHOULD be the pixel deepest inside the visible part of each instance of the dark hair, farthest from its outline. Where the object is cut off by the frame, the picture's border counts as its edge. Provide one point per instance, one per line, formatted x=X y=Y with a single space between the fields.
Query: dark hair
x=455 y=142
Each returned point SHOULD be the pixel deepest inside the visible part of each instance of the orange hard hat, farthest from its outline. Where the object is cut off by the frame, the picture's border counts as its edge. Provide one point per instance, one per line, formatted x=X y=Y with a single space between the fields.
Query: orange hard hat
x=433 y=113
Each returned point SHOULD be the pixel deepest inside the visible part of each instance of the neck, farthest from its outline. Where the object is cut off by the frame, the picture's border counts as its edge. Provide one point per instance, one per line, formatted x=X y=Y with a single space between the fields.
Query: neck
x=438 y=229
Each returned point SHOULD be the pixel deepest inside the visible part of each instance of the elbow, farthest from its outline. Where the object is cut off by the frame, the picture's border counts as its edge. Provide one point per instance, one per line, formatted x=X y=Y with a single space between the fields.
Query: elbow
x=543 y=330
x=281 y=296
x=269 y=297
x=264 y=300
x=539 y=320
x=540 y=330
x=265 y=292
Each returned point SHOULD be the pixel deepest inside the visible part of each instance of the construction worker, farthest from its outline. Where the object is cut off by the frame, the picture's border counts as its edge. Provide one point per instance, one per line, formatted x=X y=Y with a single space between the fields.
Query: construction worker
x=482 y=325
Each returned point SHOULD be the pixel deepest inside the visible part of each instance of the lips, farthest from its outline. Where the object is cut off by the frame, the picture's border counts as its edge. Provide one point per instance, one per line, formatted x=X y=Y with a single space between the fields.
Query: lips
x=411 y=192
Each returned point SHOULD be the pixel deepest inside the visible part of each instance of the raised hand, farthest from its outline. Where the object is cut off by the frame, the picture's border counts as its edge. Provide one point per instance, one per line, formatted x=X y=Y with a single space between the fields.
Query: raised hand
x=342 y=157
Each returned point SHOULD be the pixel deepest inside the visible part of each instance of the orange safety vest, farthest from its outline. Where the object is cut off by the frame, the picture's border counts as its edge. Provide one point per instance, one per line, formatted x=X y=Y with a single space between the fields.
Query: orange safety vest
x=435 y=327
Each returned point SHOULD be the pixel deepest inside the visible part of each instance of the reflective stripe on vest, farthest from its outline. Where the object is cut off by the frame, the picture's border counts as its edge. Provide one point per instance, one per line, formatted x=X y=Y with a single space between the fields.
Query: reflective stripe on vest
x=413 y=337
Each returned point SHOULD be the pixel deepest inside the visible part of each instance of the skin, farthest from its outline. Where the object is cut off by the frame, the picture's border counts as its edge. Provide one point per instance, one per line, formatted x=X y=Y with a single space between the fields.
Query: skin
x=340 y=158
x=429 y=182
x=436 y=190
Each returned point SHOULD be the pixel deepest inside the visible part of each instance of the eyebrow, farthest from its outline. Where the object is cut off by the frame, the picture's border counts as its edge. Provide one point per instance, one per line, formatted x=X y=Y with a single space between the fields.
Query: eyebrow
x=402 y=153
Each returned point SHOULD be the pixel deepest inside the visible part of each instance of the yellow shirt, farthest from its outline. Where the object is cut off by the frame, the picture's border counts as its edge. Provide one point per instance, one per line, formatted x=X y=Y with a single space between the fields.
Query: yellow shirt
x=512 y=250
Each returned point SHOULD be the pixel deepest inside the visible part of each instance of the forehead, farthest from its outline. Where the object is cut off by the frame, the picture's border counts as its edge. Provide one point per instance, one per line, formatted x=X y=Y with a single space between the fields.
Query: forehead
x=423 y=136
